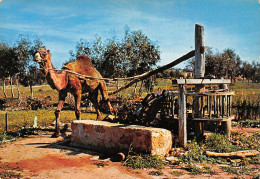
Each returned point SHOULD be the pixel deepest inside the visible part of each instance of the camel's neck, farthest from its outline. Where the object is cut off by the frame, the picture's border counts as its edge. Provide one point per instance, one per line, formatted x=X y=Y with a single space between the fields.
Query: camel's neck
x=56 y=80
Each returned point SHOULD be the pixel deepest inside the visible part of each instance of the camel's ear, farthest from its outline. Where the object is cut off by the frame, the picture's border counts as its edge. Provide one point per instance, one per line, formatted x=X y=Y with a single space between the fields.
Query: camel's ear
x=48 y=51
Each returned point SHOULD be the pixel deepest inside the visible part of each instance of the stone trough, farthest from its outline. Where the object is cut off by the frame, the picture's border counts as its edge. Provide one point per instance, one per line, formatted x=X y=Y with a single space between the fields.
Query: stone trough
x=113 y=137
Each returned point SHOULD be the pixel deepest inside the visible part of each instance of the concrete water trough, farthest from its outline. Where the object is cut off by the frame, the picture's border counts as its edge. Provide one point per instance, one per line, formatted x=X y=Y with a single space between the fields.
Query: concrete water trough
x=113 y=137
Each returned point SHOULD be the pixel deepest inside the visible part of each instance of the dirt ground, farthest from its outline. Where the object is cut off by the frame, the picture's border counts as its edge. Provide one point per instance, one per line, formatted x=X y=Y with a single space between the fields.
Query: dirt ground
x=40 y=156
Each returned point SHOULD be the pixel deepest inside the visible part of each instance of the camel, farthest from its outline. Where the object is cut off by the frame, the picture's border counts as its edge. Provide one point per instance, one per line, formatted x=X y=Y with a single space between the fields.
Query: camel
x=66 y=82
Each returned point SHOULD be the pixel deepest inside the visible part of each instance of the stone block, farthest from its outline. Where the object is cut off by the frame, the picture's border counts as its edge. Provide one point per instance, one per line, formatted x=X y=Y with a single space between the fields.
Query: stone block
x=114 y=137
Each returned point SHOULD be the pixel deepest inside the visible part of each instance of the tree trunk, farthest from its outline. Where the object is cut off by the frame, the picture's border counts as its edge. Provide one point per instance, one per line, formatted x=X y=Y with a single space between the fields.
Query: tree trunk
x=11 y=82
x=18 y=91
x=4 y=89
x=31 y=88
x=140 y=89
x=135 y=88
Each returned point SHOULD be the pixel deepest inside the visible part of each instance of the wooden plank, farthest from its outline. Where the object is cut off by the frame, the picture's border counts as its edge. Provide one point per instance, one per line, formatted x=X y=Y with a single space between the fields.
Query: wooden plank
x=210 y=93
x=215 y=119
x=201 y=81
x=182 y=116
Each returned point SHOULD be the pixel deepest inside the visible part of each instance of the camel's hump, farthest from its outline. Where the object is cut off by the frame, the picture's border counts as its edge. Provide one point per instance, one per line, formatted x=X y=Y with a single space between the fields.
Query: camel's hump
x=83 y=65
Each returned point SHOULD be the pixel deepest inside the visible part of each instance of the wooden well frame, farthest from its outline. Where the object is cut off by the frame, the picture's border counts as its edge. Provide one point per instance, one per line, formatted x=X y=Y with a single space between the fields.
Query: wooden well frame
x=208 y=105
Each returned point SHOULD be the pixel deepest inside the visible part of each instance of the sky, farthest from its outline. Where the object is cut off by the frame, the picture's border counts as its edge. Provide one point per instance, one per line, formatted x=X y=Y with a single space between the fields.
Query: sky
x=60 y=24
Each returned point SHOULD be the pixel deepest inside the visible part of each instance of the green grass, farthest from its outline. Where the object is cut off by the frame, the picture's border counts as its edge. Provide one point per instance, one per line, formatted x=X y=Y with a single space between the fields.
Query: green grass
x=45 y=117
x=144 y=161
x=248 y=123
x=243 y=90
x=177 y=173
x=246 y=91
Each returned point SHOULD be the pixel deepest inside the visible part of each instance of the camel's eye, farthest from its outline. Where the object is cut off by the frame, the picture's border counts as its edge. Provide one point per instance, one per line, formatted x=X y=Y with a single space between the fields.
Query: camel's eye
x=43 y=54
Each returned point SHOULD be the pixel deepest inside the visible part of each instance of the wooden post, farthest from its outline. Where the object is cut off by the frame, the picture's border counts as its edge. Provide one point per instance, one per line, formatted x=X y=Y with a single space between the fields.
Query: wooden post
x=227 y=127
x=6 y=122
x=182 y=116
x=199 y=73
x=199 y=51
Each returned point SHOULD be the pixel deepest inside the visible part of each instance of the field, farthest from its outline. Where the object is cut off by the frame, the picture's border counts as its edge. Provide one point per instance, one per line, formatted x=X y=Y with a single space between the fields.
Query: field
x=189 y=162
x=244 y=91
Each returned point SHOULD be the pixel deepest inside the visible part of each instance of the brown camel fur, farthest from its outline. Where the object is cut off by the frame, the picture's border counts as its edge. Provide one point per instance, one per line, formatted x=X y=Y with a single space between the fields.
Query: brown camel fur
x=66 y=82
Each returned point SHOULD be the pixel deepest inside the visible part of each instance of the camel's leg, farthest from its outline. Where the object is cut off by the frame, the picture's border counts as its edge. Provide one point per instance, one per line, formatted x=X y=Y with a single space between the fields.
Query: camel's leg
x=62 y=96
x=77 y=97
x=93 y=98
x=105 y=96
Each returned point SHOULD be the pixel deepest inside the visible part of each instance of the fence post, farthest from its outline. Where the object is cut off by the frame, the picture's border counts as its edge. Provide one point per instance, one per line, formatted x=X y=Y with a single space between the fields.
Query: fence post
x=6 y=122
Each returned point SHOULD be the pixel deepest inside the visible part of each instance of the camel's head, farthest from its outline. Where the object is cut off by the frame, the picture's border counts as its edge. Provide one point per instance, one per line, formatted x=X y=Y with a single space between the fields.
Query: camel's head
x=42 y=55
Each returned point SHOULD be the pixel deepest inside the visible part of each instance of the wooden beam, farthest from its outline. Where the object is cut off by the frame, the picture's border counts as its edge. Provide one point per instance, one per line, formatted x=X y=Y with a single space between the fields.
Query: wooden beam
x=182 y=116
x=201 y=81
x=215 y=119
x=158 y=70
x=199 y=51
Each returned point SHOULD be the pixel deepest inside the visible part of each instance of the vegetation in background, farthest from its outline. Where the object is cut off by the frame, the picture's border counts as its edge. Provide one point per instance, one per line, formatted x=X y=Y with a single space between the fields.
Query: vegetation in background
x=248 y=123
x=133 y=55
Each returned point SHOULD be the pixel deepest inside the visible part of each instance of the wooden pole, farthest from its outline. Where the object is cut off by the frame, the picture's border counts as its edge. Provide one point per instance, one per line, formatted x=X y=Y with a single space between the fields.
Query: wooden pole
x=155 y=71
x=199 y=73
x=199 y=48
x=182 y=116
x=6 y=122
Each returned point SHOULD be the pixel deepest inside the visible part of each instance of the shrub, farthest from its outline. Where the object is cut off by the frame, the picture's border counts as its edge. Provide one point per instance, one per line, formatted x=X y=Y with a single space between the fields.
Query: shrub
x=195 y=153
x=219 y=143
x=145 y=161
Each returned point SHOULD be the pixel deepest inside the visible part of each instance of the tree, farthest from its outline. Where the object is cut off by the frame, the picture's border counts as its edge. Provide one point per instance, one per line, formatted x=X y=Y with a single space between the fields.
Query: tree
x=134 y=55
x=8 y=61
x=227 y=63
x=139 y=53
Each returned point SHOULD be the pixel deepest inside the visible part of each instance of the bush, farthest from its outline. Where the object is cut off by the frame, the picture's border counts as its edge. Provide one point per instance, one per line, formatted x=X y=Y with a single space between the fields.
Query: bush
x=219 y=143
x=195 y=153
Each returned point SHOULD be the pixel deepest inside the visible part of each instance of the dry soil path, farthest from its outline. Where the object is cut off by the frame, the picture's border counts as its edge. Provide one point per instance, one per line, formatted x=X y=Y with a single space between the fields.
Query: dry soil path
x=40 y=156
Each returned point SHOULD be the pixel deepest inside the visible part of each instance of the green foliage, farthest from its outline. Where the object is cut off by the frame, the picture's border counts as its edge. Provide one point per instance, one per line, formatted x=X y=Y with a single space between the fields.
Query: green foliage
x=249 y=123
x=219 y=143
x=133 y=55
x=237 y=170
x=194 y=170
x=18 y=119
x=156 y=173
x=177 y=173
x=101 y=164
x=4 y=138
x=195 y=153
x=9 y=174
x=243 y=142
x=144 y=161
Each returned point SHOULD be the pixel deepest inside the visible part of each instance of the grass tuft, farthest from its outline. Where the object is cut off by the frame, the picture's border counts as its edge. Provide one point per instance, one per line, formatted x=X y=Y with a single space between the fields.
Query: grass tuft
x=144 y=161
